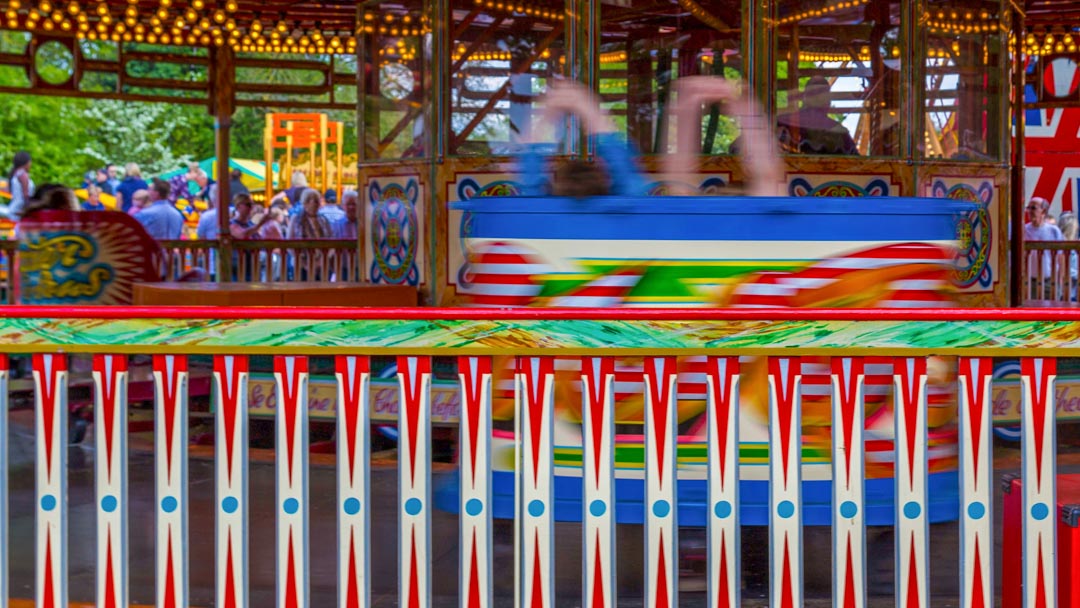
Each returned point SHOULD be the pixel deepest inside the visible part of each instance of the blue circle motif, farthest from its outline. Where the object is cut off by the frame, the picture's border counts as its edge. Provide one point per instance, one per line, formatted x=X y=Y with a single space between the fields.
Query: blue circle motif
x=848 y=509
x=912 y=510
x=597 y=508
x=351 y=506
x=168 y=504
x=108 y=503
x=661 y=508
x=536 y=508
x=48 y=502
x=785 y=509
x=722 y=509
x=1040 y=511
x=474 y=507
x=229 y=504
x=291 y=506
x=413 y=506
x=976 y=510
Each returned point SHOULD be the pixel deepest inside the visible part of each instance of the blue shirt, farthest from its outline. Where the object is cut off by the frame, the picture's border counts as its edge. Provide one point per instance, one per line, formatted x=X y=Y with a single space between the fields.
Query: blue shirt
x=333 y=213
x=208 y=229
x=129 y=187
x=618 y=157
x=162 y=220
x=344 y=229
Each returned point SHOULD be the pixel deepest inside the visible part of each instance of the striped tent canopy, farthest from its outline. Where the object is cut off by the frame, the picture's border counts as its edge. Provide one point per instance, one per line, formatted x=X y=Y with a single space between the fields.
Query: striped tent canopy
x=253 y=172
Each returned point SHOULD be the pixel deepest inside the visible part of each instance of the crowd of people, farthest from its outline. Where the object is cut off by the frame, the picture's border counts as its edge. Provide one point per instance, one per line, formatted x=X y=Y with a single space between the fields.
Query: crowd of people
x=299 y=212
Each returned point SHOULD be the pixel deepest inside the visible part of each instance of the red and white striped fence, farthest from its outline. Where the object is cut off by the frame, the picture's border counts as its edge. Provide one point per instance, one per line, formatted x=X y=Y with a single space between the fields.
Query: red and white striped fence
x=475 y=337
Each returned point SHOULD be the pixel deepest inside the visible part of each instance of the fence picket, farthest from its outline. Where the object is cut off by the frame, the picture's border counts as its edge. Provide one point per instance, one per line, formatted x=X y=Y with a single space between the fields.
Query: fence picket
x=231 y=474
x=722 y=380
x=976 y=489
x=353 y=486
x=291 y=375
x=110 y=478
x=170 y=479
x=848 y=465
x=475 y=492
x=598 y=480
x=661 y=514
x=414 y=481
x=51 y=416
x=534 y=516
x=785 y=482
x=1038 y=423
x=912 y=528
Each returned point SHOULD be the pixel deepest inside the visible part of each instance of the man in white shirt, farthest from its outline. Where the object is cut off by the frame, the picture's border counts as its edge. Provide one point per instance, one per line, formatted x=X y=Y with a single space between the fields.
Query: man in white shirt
x=1039 y=229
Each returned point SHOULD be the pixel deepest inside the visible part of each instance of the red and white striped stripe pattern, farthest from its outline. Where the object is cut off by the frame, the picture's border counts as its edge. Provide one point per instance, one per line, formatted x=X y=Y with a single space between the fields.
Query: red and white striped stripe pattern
x=598 y=479
x=976 y=491
x=110 y=478
x=606 y=291
x=912 y=529
x=4 y=375
x=291 y=374
x=534 y=516
x=661 y=521
x=231 y=472
x=354 y=517
x=51 y=415
x=921 y=287
x=1038 y=417
x=722 y=379
x=503 y=274
x=849 y=528
x=170 y=479
x=475 y=542
x=414 y=481
x=785 y=489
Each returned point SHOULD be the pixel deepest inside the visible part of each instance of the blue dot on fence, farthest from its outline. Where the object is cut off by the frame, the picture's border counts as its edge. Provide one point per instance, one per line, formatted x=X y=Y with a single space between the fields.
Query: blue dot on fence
x=168 y=504
x=229 y=504
x=48 y=502
x=912 y=510
x=413 y=506
x=597 y=508
x=108 y=504
x=1039 y=511
x=474 y=507
x=351 y=506
x=536 y=508
x=976 y=510
x=661 y=508
x=848 y=509
x=722 y=509
x=291 y=506
x=785 y=509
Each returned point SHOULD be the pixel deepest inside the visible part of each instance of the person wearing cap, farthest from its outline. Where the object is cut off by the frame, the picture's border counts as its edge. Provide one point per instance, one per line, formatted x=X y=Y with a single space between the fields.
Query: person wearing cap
x=330 y=210
x=810 y=130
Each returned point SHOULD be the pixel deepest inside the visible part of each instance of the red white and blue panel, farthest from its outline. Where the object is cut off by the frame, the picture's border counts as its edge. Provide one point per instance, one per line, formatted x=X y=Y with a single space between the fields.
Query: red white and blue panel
x=291 y=375
x=661 y=525
x=912 y=527
x=414 y=482
x=4 y=375
x=535 y=517
x=110 y=477
x=231 y=473
x=1038 y=417
x=353 y=488
x=598 y=456
x=475 y=580
x=976 y=489
x=170 y=478
x=722 y=417
x=785 y=490
x=849 y=504
x=51 y=414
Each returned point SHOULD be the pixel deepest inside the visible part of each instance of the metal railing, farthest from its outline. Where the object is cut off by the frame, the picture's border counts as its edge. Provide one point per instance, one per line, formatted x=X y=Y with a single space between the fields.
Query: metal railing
x=8 y=269
x=532 y=338
x=322 y=261
x=1051 y=270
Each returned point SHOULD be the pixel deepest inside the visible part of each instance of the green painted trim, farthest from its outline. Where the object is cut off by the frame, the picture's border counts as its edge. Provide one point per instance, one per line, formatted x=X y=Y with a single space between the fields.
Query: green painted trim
x=542 y=337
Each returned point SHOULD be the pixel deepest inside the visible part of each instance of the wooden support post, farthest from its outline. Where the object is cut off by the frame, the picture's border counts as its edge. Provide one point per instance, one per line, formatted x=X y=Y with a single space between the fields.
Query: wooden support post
x=223 y=103
x=1016 y=185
